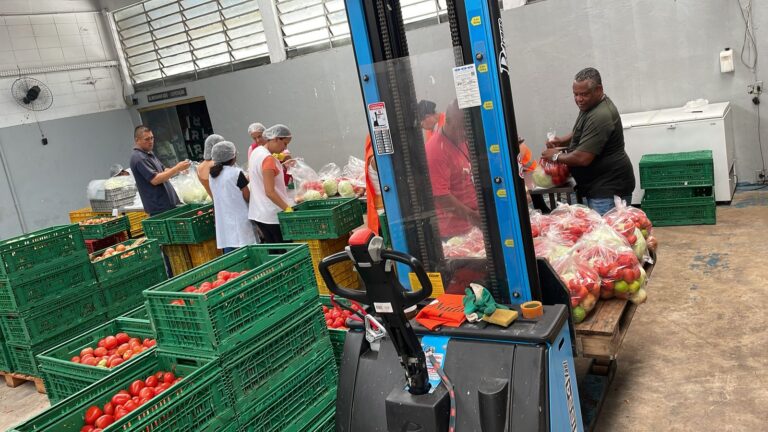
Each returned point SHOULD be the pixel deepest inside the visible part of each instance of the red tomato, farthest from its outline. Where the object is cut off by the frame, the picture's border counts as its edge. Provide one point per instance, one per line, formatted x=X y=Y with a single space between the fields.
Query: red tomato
x=112 y=352
x=100 y=352
x=151 y=381
x=162 y=387
x=168 y=377
x=143 y=401
x=135 y=400
x=149 y=343
x=339 y=322
x=86 y=351
x=123 y=348
x=110 y=342
x=92 y=413
x=217 y=284
x=120 y=399
x=115 y=362
x=98 y=430
x=205 y=285
x=178 y=302
x=159 y=375
x=109 y=408
x=120 y=412
x=223 y=275
x=122 y=338
x=190 y=289
x=628 y=275
x=136 y=387
x=100 y=344
x=104 y=421
x=329 y=322
x=147 y=393
x=130 y=406
x=75 y=359
x=92 y=361
x=128 y=354
x=86 y=428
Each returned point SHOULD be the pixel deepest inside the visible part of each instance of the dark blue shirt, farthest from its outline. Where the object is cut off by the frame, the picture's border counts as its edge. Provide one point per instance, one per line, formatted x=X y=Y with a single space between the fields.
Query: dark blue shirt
x=156 y=199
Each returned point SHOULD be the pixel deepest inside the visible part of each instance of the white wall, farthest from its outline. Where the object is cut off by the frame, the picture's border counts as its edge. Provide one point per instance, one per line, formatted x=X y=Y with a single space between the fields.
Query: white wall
x=49 y=40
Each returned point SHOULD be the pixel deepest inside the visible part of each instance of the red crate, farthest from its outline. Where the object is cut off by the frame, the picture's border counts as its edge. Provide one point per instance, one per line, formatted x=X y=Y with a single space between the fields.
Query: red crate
x=96 y=245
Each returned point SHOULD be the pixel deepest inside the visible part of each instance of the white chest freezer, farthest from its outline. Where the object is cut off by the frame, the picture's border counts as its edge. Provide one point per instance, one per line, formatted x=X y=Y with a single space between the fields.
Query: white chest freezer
x=676 y=130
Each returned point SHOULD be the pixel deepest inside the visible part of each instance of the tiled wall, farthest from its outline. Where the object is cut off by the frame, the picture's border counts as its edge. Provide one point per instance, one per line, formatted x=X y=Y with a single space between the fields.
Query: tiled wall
x=55 y=40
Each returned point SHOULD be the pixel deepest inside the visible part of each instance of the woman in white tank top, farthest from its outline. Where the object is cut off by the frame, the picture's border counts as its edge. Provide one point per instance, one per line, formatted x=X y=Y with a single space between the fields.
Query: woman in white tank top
x=229 y=187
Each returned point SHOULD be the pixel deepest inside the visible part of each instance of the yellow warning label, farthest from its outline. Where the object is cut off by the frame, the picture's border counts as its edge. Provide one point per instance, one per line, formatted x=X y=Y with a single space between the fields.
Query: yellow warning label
x=434 y=277
x=488 y=105
x=501 y=193
x=475 y=21
x=482 y=68
x=494 y=148
x=509 y=243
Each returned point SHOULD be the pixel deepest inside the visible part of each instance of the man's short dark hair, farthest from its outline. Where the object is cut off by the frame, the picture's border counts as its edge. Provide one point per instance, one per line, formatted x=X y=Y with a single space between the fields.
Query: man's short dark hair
x=425 y=108
x=589 y=74
x=140 y=129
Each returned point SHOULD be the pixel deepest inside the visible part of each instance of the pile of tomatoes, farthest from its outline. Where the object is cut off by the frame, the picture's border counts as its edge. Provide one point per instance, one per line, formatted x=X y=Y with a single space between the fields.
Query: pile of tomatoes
x=336 y=316
x=113 y=350
x=123 y=402
x=221 y=278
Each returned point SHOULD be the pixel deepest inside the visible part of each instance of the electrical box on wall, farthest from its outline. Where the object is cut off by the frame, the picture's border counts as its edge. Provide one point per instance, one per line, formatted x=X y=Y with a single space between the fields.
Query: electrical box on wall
x=726 y=60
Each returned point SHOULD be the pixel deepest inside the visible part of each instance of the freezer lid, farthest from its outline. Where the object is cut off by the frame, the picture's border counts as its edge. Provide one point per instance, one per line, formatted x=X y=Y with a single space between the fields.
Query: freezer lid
x=637 y=119
x=677 y=115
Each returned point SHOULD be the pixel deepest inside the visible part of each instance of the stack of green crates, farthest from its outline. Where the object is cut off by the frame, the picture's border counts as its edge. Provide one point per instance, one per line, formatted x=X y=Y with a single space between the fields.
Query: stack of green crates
x=266 y=328
x=679 y=188
x=5 y=359
x=48 y=293
x=124 y=276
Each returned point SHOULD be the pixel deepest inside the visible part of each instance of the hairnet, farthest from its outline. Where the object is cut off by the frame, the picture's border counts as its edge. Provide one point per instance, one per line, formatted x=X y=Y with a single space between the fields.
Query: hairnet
x=223 y=152
x=211 y=141
x=277 y=131
x=425 y=108
x=255 y=127
x=115 y=169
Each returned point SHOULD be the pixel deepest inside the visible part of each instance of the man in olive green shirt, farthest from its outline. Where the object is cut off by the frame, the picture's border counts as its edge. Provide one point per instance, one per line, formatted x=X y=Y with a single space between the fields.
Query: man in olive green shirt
x=594 y=151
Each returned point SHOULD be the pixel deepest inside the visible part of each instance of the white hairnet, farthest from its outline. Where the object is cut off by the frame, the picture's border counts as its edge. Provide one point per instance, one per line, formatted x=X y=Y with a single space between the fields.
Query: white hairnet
x=277 y=131
x=223 y=152
x=115 y=169
x=211 y=141
x=255 y=127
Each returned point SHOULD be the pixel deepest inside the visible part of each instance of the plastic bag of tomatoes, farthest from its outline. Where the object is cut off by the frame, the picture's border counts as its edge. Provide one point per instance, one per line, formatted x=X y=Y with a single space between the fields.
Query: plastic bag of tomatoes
x=549 y=174
x=634 y=225
x=582 y=282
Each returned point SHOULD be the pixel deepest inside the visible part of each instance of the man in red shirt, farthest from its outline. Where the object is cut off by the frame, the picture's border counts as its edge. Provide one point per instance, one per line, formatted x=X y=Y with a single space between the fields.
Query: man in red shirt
x=450 y=173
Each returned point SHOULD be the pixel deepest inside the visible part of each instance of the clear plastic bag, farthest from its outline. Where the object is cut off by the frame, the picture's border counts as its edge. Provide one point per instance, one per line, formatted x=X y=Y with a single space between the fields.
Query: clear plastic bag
x=631 y=223
x=574 y=221
x=550 y=248
x=329 y=175
x=188 y=187
x=540 y=223
x=549 y=174
x=582 y=282
x=307 y=181
x=352 y=180
x=470 y=245
x=621 y=274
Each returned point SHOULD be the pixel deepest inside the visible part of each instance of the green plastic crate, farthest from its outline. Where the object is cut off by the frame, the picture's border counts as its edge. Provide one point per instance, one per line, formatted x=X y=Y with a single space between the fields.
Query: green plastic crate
x=24 y=357
x=128 y=262
x=320 y=417
x=53 y=280
x=140 y=313
x=691 y=211
x=279 y=278
x=126 y=294
x=155 y=227
x=52 y=318
x=337 y=336
x=193 y=404
x=283 y=399
x=63 y=377
x=5 y=359
x=677 y=169
x=192 y=228
x=27 y=251
x=321 y=219
x=676 y=193
x=283 y=340
x=105 y=229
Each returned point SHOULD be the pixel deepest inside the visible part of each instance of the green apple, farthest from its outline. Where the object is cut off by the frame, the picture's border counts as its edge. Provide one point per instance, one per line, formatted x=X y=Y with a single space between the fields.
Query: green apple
x=645 y=232
x=634 y=286
x=621 y=286
x=578 y=314
x=639 y=297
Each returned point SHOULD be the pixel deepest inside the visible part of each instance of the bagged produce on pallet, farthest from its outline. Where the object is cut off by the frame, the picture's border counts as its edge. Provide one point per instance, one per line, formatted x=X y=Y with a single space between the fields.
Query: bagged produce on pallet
x=549 y=174
x=188 y=187
x=329 y=174
x=539 y=223
x=307 y=181
x=582 y=282
x=470 y=245
x=633 y=224
x=621 y=273
x=573 y=221
x=550 y=247
x=352 y=180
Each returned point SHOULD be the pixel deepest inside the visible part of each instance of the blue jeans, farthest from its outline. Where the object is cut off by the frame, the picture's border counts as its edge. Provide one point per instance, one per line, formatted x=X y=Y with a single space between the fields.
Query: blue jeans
x=602 y=205
x=227 y=250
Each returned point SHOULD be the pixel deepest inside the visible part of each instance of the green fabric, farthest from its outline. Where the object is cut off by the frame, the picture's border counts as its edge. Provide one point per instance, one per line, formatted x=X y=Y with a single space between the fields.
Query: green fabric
x=480 y=305
x=599 y=131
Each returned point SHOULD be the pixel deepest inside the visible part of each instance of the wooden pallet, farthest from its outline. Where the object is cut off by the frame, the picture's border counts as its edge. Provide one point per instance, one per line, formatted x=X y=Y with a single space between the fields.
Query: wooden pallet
x=14 y=380
x=601 y=334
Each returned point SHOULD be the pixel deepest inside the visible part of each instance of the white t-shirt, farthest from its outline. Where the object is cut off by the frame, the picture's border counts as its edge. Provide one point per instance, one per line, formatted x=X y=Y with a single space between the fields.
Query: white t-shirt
x=233 y=228
x=261 y=208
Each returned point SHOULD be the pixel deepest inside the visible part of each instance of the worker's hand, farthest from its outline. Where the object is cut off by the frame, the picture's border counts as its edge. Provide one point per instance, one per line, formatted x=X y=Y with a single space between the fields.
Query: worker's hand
x=548 y=153
x=182 y=166
x=289 y=162
x=555 y=142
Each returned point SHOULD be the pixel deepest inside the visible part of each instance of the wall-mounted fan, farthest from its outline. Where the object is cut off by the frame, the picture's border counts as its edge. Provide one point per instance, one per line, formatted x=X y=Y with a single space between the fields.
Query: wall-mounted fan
x=32 y=94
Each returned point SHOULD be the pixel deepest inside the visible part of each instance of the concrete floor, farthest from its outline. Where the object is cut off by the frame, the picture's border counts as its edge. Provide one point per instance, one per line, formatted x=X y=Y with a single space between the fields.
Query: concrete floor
x=696 y=355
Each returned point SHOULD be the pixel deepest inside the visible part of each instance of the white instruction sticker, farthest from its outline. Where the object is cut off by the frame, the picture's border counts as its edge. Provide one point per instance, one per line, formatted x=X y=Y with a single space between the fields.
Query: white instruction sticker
x=383 y=307
x=467 y=88
x=382 y=139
